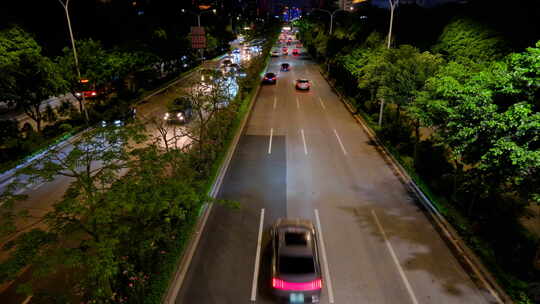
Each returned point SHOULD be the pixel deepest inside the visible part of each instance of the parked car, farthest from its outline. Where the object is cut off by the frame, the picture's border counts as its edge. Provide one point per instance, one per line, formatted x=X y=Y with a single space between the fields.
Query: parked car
x=295 y=267
x=274 y=53
x=285 y=67
x=270 y=78
x=295 y=52
x=302 y=84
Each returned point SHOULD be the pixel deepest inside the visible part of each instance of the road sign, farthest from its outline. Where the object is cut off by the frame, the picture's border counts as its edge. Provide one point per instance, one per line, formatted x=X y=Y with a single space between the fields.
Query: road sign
x=198 y=37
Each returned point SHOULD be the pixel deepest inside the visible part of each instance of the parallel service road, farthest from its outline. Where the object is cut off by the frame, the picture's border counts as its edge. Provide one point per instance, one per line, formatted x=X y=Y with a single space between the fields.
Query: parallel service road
x=303 y=155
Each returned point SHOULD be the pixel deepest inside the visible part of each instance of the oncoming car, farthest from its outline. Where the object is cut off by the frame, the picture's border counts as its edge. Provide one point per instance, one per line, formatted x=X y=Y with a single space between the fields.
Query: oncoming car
x=178 y=111
x=295 y=267
x=302 y=84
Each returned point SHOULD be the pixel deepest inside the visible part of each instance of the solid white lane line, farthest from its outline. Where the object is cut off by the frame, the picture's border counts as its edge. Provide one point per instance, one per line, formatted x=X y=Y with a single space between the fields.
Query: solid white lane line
x=304 y=140
x=396 y=261
x=297 y=104
x=275 y=102
x=322 y=103
x=257 y=260
x=270 y=143
x=340 y=143
x=35 y=187
x=328 y=281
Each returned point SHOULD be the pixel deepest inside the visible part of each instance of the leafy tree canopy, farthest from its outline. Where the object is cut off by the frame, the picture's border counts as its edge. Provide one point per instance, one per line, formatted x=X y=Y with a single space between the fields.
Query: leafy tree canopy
x=467 y=38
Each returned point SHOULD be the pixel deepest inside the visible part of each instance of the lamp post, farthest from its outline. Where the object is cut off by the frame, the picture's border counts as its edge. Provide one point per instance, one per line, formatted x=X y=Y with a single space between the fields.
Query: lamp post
x=393 y=5
x=331 y=16
x=199 y=22
x=331 y=26
x=66 y=9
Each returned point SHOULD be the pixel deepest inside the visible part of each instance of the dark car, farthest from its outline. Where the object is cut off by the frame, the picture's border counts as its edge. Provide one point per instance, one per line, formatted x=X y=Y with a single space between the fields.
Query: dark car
x=118 y=116
x=179 y=111
x=285 y=67
x=295 y=269
x=270 y=78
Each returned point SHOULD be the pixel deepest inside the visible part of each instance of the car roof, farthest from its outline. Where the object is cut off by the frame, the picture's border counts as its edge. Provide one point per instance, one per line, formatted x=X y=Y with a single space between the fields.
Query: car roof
x=294 y=222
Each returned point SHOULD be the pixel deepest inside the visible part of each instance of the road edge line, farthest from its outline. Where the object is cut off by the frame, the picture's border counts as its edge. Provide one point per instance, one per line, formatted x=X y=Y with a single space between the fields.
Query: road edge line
x=445 y=229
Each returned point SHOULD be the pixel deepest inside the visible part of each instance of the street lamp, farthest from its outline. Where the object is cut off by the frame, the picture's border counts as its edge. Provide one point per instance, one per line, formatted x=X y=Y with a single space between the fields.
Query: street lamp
x=331 y=16
x=198 y=21
x=393 y=4
x=331 y=26
x=65 y=6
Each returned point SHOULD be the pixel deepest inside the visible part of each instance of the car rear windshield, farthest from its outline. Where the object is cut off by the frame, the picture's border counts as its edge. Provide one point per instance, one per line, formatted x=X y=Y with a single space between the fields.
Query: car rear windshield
x=303 y=80
x=296 y=265
x=270 y=75
x=295 y=238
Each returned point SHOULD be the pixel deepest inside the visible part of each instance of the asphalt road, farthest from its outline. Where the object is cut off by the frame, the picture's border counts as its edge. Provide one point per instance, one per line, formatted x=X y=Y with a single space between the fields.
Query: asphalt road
x=302 y=153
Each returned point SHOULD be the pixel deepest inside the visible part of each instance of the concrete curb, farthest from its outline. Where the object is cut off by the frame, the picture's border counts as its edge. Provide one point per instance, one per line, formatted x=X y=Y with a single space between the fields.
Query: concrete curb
x=466 y=257
x=185 y=261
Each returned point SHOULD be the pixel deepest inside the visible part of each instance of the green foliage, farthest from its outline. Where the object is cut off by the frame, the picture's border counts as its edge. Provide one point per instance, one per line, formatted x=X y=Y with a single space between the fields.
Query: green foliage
x=467 y=38
x=28 y=78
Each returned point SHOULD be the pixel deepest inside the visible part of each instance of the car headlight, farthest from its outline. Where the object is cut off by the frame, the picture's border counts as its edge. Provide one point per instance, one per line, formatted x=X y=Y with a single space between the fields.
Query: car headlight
x=179 y=115
x=166 y=116
x=77 y=94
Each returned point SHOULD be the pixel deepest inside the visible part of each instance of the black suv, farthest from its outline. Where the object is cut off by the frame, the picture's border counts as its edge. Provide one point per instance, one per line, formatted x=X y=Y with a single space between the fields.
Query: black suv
x=296 y=271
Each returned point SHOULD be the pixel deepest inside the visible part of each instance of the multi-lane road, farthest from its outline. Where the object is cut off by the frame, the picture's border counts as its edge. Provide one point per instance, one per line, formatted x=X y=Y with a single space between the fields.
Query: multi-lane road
x=302 y=154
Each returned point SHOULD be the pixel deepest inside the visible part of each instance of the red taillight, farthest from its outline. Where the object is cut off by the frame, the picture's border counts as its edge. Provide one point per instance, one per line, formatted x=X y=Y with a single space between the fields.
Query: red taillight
x=265 y=78
x=283 y=285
